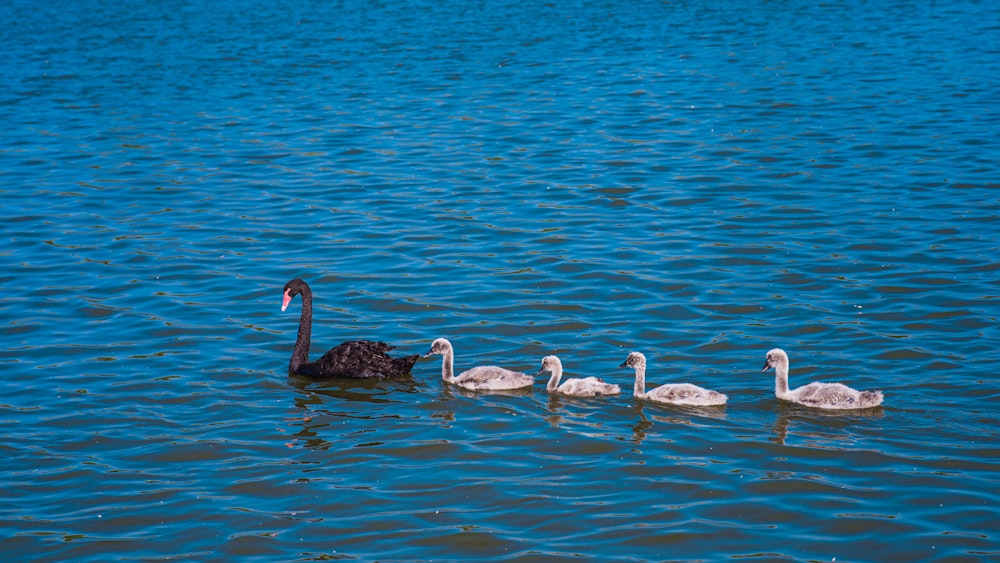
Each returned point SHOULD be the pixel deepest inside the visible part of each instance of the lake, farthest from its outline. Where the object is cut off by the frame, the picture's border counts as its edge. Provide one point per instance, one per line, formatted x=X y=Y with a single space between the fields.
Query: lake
x=697 y=181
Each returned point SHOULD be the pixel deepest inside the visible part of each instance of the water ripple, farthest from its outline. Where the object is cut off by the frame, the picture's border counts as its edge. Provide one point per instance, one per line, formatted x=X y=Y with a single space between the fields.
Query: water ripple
x=700 y=184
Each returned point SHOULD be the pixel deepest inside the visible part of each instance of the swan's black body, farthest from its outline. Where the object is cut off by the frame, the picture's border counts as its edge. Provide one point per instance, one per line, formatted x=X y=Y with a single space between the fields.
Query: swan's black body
x=356 y=358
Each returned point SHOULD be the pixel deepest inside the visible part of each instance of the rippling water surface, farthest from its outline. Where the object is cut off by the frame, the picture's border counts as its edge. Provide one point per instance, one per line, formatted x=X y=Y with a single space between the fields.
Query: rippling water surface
x=698 y=181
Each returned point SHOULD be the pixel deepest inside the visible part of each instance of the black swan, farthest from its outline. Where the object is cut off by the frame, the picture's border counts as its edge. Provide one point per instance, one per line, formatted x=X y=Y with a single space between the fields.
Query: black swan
x=356 y=358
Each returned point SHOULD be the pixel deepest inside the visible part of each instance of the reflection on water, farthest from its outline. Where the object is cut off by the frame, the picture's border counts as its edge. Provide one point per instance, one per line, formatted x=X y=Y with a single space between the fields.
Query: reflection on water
x=830 y=426
x=640 y=427
x=373 y=390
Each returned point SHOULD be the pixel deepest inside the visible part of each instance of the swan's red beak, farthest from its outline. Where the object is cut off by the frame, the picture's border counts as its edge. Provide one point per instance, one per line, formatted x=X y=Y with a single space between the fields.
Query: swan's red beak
x=285 y=300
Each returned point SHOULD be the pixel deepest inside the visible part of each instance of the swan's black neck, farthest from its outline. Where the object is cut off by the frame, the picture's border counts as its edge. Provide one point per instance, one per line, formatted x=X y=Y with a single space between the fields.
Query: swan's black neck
x=300 y=356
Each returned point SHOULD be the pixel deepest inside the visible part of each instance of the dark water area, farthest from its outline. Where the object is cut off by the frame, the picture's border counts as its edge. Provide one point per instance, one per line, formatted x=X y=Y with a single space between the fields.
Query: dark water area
x=701 y=182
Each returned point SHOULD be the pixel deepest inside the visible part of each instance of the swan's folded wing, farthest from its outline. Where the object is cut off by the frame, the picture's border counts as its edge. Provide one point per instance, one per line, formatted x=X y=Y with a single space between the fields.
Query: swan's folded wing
x=358 y=358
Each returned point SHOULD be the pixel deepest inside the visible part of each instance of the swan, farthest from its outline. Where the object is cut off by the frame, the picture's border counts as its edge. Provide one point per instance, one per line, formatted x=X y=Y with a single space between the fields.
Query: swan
x=479 y=378
x=355 y=358
x=671 y=393
x=586 y=387
x=819 y=395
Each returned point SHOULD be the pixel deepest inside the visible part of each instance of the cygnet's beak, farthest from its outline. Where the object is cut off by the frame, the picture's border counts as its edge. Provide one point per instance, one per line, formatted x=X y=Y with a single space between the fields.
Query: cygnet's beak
x=767 y=366
x=624 y=364
x=429 y=353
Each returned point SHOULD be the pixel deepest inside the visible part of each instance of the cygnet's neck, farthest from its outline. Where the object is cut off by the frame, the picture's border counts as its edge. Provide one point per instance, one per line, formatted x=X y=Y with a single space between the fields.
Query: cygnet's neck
x=781 y=379
x=448 y=365
x=556 y=377
x=639 y=390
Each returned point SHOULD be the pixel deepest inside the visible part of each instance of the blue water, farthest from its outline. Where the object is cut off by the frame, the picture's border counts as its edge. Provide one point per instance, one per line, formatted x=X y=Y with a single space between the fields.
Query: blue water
x=697 y=181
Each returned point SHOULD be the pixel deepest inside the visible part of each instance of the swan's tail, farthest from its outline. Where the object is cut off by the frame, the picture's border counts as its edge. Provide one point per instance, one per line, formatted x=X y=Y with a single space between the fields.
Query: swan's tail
x=870 y=399
x=403 y=365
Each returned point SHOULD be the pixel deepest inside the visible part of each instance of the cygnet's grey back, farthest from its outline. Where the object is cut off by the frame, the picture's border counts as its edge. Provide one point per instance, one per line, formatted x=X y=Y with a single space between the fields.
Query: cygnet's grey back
x=686 y=394
x=588 y=387
x=493 y=378
x=834 y=396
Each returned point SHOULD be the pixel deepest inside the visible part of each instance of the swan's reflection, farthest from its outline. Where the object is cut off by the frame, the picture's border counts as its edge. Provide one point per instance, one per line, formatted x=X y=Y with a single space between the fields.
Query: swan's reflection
x=670 y=414
x=320 y=404
x=368 y=390
x=587 y=415
x=447 y=418
x=833 y=424
x=450 y=392
x=556 y=406
x=780 y=429
x=639 y=428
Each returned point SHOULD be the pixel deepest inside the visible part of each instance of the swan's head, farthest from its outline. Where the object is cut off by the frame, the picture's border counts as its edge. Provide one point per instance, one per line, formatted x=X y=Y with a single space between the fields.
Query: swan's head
x=292 y=289
x=634 y=360
x=776 y=357
x=439 y=346
x=550 y=363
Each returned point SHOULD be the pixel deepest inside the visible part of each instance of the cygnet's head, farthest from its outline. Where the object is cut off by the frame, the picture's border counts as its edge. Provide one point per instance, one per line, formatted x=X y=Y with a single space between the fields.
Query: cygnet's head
x=439 y=346
x=635 y=359
x=776 y=357
x=550 y=363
